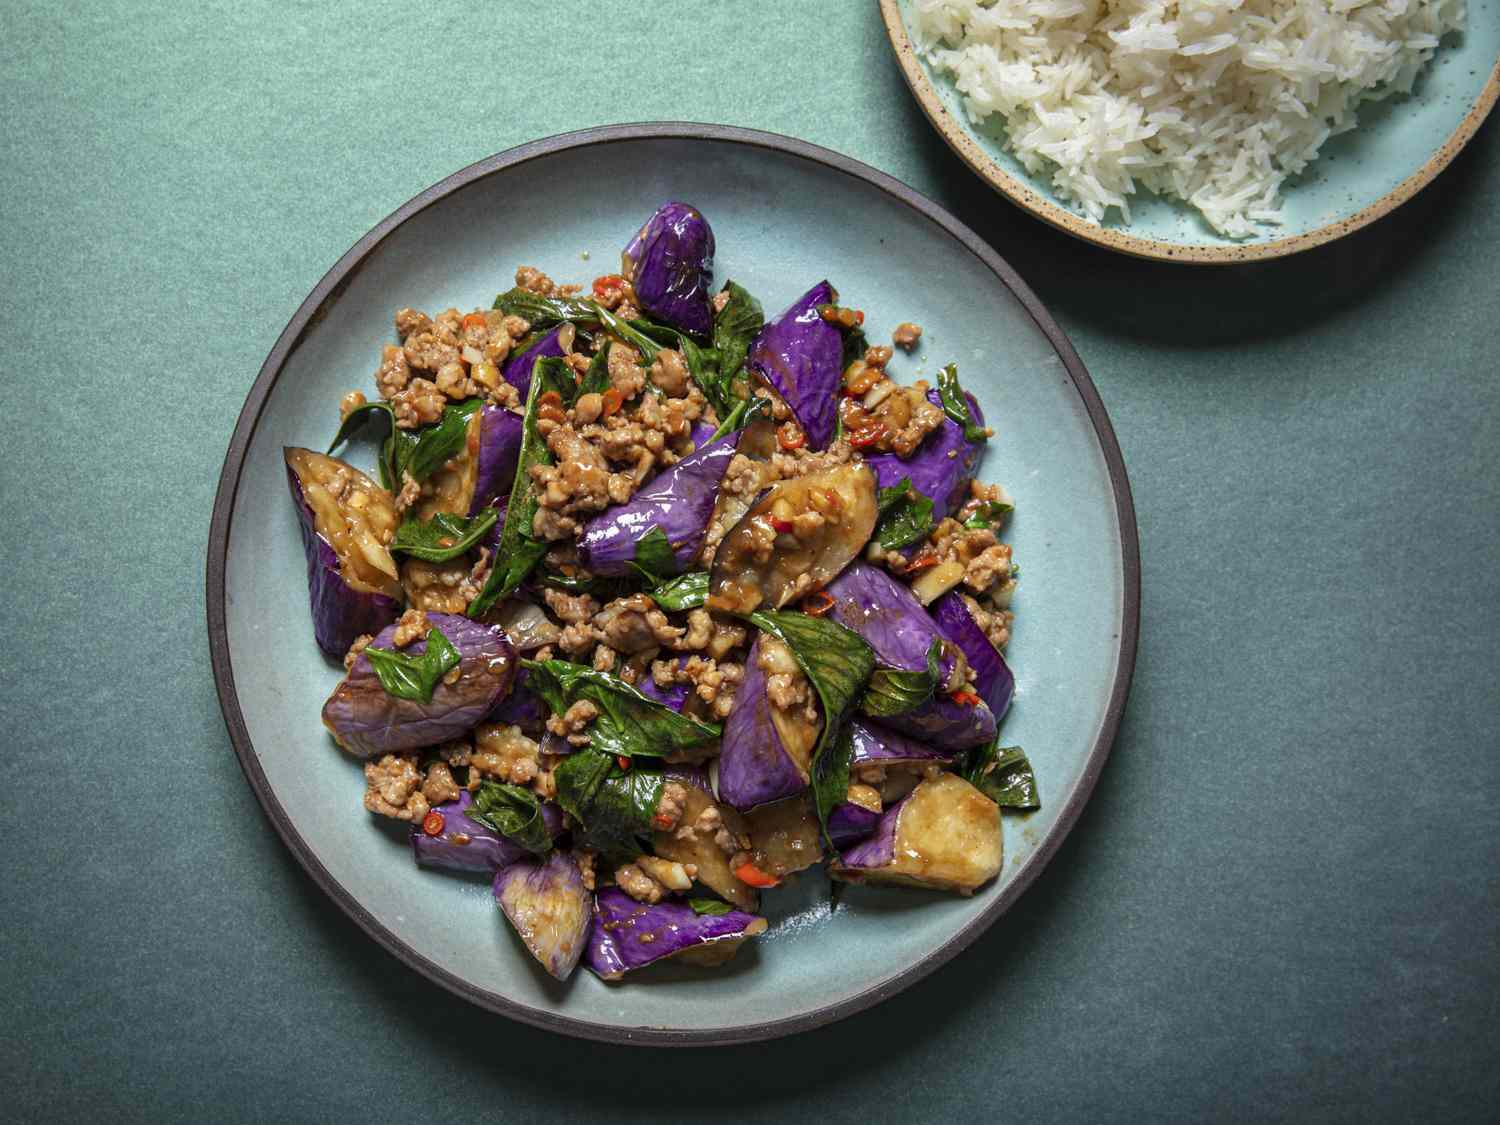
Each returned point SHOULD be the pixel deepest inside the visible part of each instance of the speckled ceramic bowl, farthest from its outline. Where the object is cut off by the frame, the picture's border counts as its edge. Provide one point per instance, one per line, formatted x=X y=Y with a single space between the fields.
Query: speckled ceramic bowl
x=785 y=214
x=1400 y=145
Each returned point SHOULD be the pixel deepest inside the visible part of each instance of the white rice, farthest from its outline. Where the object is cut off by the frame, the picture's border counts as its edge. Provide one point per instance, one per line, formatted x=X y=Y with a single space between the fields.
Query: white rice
x=1215 y=102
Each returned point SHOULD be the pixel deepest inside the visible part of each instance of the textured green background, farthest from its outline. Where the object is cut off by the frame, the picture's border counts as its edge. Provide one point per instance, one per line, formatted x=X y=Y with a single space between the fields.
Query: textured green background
x=1282 y=901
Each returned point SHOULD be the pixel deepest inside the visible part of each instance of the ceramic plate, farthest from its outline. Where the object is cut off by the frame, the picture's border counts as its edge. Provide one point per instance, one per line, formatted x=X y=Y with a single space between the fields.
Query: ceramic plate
x=785 y=214
x=1400 y=145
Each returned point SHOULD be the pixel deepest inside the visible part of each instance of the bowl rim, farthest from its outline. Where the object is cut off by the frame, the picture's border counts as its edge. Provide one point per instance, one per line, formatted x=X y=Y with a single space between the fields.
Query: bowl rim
x=311 y=311
x=1188 y=253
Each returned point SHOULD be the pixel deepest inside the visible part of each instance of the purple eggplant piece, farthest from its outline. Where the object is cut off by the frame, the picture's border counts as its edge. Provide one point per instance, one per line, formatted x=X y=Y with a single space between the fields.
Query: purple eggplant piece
x=673 y=697
x=522 y=707
x=670 y=265
x=878 y=745
x=366 y=721
x=465 y=844
x=887 y=614
x=943 y=835
x=518 y=368
x=702 y=433
x=342 y=610
x=849 y=823
x=801 y=355
x=941 y=467
x=679 y=502
x=549 y=908
x=628 y=934
x=480 y=475
x=500 y=434
x=757 y=765
x=992 y=676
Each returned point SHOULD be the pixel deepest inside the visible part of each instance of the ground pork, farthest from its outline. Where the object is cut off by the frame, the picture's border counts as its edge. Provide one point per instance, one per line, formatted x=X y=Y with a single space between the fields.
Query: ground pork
x=396 y=787
x=570 y=724
x=410 y=626
x=505 y=753
x=633 y=624
x=906 y=335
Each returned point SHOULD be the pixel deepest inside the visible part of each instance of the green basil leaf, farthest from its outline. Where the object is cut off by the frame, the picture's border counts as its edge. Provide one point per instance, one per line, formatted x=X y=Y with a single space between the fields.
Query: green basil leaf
x=513 y=812
x=905 y=516
x=596 y=585
x=612 y=806
x=956 y=404
x=735 y=327
x=436 y=443
x=1004 y=775
x=414 y=677
x=356 y=420
x=547 y=312
x=837 y=662
x=518 y=551
x=830 y=776
x=710 y=906
x=686 y=591
x=654 y=560
x=444 y=536
x=745 y=411
x=629 y=724
x=989 y=514
x=596 y=379
x=892 y=691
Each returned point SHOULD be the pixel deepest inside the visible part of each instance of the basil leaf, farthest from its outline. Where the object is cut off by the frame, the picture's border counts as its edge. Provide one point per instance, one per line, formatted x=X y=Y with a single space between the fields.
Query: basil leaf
x=710 y=906
x=513 y=812
x=596 y=379
x=1004 y=775
x=546 y=312
x=745 y=411
x=735 y=327
x=355 y=421
x=830 y=776
x=596 y=585
x=893 y=691
x=838 y=662
x=956 y=404
x=686 y=591
x=654 y=558
x=444 y=536
x=437 y=443
x=517 y=552
x=612 y=806
x=629 y=724
x=905 y=515
x=414 y=677
x=991 y=513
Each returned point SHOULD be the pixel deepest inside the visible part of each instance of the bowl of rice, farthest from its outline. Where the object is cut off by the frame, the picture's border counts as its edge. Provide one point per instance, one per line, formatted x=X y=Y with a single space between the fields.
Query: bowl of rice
x=1203 y=131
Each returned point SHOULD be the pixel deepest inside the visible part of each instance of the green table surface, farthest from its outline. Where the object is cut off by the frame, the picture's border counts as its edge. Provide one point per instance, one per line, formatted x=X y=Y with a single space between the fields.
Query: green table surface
x=1282 y=900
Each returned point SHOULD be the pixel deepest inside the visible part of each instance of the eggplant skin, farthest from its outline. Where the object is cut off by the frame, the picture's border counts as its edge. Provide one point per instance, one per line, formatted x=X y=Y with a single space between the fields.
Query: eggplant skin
x=549 y=908
x=992 y=675
x=340 y=613
x=849 y=823
x=876 y=745
x=944 y=835
x=518 y=368
x=888 y=615
x=500 y=434
x=755 y=767
x=365 y=721
x=670 y=266
x=464 y=844
x=801 y=355
x=941 y=467
x=628 y=935
x=679 y=502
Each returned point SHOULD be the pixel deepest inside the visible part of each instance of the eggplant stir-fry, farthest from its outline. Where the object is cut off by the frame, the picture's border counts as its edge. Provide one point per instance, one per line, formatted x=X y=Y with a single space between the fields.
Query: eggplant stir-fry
x=650 y=603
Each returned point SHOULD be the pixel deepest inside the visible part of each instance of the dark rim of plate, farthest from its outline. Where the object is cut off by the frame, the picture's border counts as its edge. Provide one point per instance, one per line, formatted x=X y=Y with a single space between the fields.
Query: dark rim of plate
x=327 y=292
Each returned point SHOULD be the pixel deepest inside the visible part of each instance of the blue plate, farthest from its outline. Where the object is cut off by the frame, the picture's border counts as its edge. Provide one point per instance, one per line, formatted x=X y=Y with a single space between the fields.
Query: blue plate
x=1400 y=145
x=785 y=215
